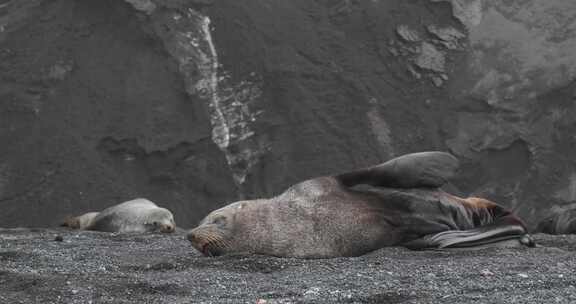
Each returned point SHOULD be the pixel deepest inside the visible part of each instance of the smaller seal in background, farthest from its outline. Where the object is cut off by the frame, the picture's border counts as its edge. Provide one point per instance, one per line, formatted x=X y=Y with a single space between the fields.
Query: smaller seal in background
x=138 y=215
x=560 y=220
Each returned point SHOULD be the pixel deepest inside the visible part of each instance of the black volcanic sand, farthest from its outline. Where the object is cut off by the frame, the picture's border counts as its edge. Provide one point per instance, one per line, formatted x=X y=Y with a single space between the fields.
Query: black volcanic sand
x=59 y=266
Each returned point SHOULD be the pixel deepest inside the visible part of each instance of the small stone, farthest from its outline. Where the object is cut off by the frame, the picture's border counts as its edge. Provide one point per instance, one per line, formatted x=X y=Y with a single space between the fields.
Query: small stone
x=74 y=291
x=445 y=33
x=414 y=72
x=312 y=291
x=60 y=70
x=430 y=58
x=437 y=81
x=261 y=301
x=486 y=272
x=469 y=12
x=408 y=34
x=523 y=275
x=146 y=6
x=58 y=238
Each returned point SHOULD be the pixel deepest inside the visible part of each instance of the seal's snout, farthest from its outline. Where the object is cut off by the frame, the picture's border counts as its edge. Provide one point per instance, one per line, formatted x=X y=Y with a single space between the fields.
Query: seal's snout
x=167 y=228
x=197 y=241
x=208 y=242
x=192 y=237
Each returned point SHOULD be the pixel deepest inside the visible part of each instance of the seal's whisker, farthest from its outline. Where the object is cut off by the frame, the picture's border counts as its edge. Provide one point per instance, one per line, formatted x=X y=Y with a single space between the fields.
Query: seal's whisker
x=203 y=236
x=218 y=242
x=211 y=239
x=223 y=244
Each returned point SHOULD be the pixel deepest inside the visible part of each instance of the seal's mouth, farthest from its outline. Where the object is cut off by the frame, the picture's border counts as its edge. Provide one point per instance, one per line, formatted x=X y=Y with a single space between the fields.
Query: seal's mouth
x=206 y=250
x=208 y=243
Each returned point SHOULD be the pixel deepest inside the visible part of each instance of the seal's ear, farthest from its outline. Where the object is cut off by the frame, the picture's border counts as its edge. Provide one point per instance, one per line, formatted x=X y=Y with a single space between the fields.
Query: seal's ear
x=430 y=169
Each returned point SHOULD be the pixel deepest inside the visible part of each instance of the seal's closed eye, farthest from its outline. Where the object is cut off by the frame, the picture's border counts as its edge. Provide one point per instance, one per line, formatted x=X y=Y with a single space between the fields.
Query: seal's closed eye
x=219 y=220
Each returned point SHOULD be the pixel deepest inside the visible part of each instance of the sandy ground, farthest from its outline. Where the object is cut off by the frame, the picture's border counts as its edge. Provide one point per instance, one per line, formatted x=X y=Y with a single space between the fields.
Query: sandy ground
x=93 y=267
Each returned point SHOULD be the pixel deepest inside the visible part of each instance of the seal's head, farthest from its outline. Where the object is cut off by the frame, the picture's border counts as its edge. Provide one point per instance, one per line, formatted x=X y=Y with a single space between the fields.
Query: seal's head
x=218 y=233
x=160 y=219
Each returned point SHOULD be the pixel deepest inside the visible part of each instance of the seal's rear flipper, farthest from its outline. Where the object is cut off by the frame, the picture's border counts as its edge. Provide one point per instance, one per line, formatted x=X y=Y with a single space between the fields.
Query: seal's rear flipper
x=477 y=237
x=423 y=169
x=71 y=222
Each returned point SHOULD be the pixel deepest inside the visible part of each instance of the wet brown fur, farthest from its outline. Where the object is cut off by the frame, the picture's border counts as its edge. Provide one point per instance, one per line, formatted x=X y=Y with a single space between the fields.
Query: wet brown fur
x=352 y=214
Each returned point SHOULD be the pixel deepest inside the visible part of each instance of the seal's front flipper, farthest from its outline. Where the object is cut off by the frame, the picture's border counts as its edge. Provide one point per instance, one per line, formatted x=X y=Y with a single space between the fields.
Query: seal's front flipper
x=478 y=237
x=424 y=169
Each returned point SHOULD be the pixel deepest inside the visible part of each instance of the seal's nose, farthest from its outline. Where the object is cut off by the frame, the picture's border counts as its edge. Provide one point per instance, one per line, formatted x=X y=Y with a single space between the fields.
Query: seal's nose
x=198 y=243
x=167 y=228
x=196 y=239
x=192 y=237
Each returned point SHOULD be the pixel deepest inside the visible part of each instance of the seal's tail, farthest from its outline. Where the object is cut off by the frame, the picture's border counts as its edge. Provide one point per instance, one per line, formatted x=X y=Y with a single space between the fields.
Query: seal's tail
x=416 y=170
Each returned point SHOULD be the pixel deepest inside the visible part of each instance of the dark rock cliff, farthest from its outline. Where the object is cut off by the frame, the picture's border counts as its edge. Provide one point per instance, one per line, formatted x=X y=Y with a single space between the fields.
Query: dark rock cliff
x=195 y=103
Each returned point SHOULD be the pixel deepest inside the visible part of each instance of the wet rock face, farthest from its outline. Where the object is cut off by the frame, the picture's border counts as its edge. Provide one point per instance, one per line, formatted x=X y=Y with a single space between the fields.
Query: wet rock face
x=94 y=111
x=194 y=104
x=520 y=68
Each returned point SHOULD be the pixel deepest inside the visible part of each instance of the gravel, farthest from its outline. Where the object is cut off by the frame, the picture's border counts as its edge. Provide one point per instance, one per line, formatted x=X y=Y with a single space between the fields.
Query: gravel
x=61 y=266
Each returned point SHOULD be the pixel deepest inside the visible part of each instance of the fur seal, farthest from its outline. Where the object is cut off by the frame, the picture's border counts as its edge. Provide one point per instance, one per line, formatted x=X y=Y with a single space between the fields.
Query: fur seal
x=397 y=203
x=561 y=220
x=138 y=215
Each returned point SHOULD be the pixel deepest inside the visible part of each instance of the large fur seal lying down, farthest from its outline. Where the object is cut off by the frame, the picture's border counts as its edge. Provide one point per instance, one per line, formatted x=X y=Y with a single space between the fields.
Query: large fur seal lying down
x=138 y=215
x=397 y=203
